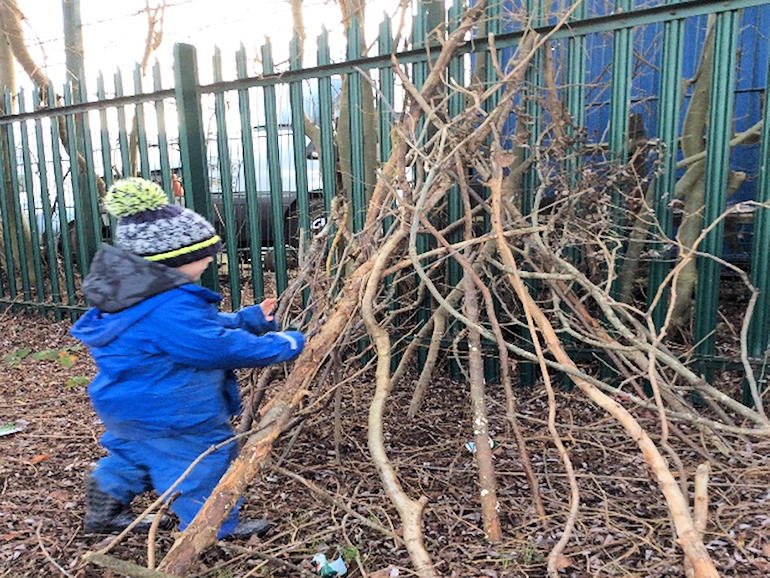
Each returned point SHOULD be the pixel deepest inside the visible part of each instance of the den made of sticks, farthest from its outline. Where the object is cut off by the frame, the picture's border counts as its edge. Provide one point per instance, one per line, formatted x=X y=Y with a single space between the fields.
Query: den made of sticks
x=527 y=244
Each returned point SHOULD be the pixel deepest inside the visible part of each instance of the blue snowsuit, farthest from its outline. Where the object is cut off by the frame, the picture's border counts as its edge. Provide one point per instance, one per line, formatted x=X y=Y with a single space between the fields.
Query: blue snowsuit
x=165 y=390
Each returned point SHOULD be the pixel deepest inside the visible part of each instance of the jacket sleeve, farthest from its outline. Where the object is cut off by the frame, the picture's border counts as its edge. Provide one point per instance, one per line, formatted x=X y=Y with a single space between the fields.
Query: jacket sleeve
x=192 y=333
x=249 y=318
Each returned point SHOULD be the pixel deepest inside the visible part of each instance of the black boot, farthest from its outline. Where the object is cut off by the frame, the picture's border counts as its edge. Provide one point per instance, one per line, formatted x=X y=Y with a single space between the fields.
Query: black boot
x=246 y=528
x=106 y=515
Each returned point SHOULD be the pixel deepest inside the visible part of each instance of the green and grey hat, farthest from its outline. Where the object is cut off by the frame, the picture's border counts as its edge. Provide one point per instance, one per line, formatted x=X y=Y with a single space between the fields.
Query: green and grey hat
x=152 y=228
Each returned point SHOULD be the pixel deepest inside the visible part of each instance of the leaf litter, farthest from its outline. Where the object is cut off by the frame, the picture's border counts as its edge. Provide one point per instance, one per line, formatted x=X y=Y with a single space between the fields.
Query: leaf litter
x=623 y=528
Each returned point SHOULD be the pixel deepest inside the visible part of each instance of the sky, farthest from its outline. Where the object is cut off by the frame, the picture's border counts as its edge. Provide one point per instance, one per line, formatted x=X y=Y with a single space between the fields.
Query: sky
x=114 y=31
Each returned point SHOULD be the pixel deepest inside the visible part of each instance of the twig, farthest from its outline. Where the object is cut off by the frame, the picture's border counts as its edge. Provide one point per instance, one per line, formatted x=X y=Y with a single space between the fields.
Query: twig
x=124 y=567
x=471 y=271
x=47 y=555
x=688 y=538
x=409 y=510
x=153 y=531
x=277 y=561
x=700 y=508
x=701 y=502
x=254 y=399
x=486 y=470
x=529 y=312
x=341 y=505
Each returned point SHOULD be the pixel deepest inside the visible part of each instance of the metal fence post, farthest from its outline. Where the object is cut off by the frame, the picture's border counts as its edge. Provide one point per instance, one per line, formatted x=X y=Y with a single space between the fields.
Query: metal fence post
x=226 y=188
x=668 y=119
x=358 y=194
x=274 y=171
x=192 y=141
x=759 y=330
x=326 y=125
x=717 y=170
x=250 y=182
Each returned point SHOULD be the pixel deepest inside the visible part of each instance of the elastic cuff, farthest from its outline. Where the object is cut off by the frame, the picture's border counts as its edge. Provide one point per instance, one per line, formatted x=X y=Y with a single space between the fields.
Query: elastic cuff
x=290 y=339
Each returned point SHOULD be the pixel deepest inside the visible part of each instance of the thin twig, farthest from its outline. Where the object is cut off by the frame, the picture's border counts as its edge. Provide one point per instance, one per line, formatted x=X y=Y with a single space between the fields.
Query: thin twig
x=47 y=555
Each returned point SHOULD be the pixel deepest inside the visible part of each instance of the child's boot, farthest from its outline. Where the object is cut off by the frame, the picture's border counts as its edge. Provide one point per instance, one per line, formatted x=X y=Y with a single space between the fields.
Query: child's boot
x=105 y=514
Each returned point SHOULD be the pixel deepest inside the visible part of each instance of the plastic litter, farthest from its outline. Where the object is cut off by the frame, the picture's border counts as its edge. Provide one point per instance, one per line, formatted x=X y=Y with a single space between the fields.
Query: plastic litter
x=323 y=567
x=10 y=428
x=471 y=445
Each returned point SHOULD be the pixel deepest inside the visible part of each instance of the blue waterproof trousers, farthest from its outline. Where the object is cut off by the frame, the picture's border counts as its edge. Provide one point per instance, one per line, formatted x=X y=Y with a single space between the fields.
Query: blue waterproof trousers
x=134 y=466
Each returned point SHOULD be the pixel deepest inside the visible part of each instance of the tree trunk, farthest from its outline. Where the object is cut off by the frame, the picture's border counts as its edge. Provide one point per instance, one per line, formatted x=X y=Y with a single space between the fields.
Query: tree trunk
x=7 y=83
x=691 y=186
x=10 y=25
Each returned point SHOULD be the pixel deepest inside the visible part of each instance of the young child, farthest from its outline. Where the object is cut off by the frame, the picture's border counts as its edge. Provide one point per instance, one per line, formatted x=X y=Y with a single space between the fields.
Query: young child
x=165 y=390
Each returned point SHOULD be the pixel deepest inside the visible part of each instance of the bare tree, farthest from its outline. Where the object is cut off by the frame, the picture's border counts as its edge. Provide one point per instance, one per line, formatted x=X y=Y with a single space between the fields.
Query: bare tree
x=12 y=44
x=155 y=19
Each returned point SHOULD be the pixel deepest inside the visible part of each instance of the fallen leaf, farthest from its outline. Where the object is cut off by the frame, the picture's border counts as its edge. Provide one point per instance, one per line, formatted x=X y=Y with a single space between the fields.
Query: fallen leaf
x=563 y=562
x=59 y=495
x=39 y=458
x=766 y=550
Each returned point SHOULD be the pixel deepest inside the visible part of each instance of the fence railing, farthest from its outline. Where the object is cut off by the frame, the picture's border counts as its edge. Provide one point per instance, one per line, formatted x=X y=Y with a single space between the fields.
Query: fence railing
x=248 y=164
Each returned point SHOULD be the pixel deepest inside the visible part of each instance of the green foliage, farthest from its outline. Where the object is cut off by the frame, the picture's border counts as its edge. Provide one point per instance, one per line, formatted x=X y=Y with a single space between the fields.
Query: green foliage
x=532 y=556
x=65 y=356
x=349 y=553
x=46 y=355
x=13 y=359
x=77 y=381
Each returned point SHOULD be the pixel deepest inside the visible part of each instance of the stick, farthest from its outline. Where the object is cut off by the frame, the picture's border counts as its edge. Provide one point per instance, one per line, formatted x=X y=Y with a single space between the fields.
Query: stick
x=689 y=540
x=153 y=532
x=701 y=505
x=124 y=567
x=700 y=508
x=47 y=555
x=341 y=505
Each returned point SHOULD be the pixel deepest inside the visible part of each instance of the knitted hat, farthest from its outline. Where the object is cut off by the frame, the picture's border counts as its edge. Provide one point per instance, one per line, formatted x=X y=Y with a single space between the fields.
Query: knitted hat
x=150 y=227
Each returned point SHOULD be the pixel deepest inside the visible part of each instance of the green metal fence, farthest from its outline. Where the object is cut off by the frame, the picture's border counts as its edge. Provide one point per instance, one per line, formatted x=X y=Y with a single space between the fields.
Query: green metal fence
x=231 y=140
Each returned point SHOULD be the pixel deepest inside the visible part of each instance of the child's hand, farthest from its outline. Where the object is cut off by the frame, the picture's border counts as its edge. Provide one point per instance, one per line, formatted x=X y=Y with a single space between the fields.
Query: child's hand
x=268 y=306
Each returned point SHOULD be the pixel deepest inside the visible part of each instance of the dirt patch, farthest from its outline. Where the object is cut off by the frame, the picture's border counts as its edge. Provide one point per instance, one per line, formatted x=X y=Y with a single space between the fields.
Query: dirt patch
x=623 y=528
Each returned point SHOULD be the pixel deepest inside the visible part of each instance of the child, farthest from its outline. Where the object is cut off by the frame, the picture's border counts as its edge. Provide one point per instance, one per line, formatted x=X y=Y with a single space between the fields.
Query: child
x=165 y=390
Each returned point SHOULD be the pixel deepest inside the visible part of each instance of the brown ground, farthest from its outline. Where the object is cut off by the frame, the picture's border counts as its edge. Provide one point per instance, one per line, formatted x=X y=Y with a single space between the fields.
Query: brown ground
x=623 y=528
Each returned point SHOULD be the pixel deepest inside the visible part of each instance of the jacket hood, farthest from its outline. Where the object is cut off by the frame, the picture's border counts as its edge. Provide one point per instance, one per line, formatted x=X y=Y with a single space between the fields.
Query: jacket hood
x=123 y=288
x=97 y=329
x=119 y=279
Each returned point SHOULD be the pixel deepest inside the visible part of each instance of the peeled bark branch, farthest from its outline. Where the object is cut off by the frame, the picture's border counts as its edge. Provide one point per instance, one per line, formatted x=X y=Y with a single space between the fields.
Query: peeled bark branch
x=275 y=415
x=487 y=478
x=409 y=510
x=125 y=568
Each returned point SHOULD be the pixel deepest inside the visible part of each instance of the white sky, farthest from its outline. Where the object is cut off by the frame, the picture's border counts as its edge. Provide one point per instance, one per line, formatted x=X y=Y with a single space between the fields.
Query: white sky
x=114 y=32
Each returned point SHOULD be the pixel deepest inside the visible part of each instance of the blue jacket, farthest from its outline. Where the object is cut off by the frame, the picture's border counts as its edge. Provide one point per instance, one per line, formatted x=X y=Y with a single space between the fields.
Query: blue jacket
x=165 y=361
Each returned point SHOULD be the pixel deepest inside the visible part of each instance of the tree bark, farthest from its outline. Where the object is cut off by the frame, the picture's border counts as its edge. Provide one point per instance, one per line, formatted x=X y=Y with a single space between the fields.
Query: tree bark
x=10 y=38
x=486 y=474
